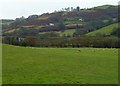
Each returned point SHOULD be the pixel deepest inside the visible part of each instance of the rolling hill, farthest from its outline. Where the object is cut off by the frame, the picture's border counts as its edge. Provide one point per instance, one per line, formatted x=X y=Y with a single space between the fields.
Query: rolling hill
x=75 y=22
x=105 y=31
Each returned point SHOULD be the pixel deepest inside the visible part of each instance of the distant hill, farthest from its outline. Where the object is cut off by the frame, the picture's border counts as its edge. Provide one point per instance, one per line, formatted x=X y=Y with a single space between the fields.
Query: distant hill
x=104 y=7
x=105 y=31
x=71 y=22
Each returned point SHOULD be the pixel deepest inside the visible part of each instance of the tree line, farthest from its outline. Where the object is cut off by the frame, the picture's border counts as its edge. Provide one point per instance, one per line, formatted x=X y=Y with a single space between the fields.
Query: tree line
x=96 y=42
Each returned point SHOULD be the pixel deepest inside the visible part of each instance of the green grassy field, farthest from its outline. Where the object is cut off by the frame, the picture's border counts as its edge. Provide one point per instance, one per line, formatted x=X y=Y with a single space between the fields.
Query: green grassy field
x=59 y=65
x=105 y=30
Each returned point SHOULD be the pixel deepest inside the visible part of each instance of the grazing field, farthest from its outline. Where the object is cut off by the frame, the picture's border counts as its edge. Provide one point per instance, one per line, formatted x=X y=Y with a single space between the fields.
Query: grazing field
x=105 y=30
x=29 y=65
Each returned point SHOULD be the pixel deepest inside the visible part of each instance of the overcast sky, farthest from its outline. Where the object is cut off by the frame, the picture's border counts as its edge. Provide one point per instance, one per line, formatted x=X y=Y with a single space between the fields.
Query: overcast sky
x=11 y=9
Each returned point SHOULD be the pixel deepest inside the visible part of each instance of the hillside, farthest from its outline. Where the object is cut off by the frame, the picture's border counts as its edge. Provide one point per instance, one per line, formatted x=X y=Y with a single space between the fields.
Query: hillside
x=5 y=22
x=105 y=31
x=76 y=22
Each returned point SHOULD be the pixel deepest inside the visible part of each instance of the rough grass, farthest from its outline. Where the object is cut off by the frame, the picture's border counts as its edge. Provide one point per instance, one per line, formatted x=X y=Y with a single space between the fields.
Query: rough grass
x=104 y=6
x=61 y=33
x=67 y=32
x=43 y=18
x=105 y=30
x=59 y=65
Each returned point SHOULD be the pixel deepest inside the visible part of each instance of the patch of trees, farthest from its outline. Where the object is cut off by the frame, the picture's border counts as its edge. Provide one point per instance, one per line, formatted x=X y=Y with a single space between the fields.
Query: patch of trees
x=56 y=17
x=69 y=9
x=48 y=35
x=97 y=42
x=81 y=30
x=32 y=17
x=18 y=22
x=116 y=32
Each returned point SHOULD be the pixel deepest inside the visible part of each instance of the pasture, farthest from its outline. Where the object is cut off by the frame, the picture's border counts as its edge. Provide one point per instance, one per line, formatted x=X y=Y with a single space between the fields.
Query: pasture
x=28 y=65
x=107 y=30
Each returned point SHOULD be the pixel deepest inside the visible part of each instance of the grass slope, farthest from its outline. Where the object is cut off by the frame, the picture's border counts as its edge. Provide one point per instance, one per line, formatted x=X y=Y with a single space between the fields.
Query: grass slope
x=59 y=65
x=105 y=30
x=104 y=6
